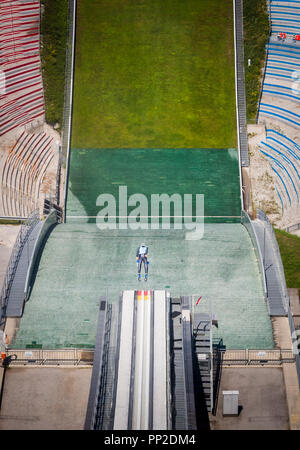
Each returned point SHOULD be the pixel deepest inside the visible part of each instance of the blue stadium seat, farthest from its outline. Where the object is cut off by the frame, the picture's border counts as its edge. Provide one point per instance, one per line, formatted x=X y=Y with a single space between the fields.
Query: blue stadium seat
x=290 y=97
x=285 y=138
x=284 y=162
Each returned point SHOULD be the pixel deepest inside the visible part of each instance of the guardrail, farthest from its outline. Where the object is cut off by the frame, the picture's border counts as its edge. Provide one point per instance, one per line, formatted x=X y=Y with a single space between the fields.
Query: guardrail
x=23 y=234
x=48 y=223
x=42 y=357
x=246 y=221
x=257 y=357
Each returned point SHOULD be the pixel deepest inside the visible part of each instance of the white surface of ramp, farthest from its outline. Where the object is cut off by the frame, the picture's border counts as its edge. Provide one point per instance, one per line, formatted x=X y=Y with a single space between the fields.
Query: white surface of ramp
x=160 y=364
x=123 y=386
x=141 y=398
x=142 y=386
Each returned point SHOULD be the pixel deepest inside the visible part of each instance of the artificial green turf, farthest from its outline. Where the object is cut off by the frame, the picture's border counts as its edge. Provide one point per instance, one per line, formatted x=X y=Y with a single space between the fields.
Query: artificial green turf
x=87 y=263
x=211 y=172
x=154 y=74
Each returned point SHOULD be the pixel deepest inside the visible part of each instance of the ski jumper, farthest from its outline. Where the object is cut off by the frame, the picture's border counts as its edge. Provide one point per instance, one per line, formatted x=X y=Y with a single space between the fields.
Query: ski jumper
x=142 y=254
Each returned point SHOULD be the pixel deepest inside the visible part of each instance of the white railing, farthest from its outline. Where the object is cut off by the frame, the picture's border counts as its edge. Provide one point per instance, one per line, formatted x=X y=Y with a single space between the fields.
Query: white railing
x=41 y=357
x=258 y=357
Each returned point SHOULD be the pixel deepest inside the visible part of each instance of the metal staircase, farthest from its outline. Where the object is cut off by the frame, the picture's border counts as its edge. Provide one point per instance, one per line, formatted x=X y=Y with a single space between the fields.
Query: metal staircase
x=177 y=370
x=240 y=83
x=202 y=330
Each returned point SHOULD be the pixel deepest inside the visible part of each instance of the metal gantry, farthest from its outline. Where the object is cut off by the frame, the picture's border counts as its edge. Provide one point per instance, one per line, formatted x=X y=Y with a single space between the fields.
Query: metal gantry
x=154 y=383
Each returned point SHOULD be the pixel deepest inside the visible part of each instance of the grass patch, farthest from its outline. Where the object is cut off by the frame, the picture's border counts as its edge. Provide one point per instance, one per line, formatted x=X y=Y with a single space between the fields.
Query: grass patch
x=53 y=55
x=256 y=33
x=289 y=245
x=11 y=222
x=154 y=74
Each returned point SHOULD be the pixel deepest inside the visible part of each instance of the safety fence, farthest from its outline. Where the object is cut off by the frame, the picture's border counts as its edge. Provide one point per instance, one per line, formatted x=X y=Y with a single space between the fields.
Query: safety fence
x=257 y=357
x=291 y=228
x=43 y=357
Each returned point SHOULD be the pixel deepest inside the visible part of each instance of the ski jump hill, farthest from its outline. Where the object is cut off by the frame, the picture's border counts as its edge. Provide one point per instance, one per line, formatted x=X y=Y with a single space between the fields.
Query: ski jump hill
x=154 y=111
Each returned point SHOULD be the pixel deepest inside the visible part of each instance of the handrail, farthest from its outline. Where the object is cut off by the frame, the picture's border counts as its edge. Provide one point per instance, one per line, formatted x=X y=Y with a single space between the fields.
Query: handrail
x=262 y=216
x=50 y=220
x=246 y=221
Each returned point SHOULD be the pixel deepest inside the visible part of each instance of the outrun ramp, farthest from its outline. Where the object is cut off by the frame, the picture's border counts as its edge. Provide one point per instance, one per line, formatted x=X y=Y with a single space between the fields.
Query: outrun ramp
x=141 y=396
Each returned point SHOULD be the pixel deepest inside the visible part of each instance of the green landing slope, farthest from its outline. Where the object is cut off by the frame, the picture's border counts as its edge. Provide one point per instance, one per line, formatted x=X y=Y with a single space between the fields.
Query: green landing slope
x=213 y=173
x=156 y=73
